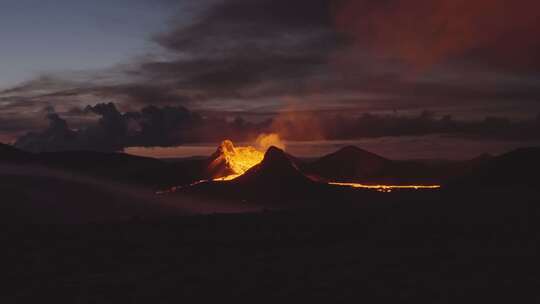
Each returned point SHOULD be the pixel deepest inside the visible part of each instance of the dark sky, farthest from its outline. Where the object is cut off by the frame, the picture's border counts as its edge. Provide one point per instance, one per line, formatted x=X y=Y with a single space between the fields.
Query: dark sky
x=466 y=58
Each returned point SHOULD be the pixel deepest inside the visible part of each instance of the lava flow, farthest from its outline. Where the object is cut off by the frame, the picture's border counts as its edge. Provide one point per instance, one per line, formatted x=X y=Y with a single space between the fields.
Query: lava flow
x=387 y=188
x=231 y=162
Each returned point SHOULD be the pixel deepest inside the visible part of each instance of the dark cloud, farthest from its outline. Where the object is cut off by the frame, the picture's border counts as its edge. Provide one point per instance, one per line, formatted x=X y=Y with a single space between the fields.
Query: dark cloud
x=139 y=94
x=452 y=56
x=316 y=125
x=237 y=46
x=173 y=126
x=249 y=49
x=232 y=24
x=252 y=49
x=57 y=137
x=427 y=123
x=113 y=131
x=424 y=33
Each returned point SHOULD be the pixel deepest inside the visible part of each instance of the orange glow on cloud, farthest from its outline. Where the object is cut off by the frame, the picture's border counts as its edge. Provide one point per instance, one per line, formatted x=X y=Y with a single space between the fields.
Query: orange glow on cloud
x=422 y=33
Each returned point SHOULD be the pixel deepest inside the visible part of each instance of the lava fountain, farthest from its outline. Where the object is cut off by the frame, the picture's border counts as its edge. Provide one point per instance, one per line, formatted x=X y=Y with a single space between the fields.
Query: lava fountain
x=237 y=160
x=230 y=162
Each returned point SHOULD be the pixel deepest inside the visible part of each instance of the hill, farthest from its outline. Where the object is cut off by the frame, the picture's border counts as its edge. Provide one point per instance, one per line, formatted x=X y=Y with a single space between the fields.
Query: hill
x=118 y=167
x=348 y=164
x=278 y=169
x=11 y=154
x=518 y=168
x=37 y=195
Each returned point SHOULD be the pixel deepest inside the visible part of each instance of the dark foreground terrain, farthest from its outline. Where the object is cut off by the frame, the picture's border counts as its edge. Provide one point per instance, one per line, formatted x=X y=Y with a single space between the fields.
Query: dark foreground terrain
x=71 y=235
x=461 y=248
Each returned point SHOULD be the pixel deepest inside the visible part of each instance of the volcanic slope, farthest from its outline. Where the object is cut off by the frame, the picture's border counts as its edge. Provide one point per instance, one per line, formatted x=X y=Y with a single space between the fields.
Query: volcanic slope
x=277 y=179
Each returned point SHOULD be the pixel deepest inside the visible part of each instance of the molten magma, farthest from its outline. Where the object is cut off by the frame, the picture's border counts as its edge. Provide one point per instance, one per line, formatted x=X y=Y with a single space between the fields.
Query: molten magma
x=387 y=188
x=240 y=159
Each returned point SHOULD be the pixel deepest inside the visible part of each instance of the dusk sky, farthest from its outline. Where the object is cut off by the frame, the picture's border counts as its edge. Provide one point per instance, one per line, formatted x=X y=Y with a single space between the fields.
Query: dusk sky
x=41 y=37
x=355 y=151
x=458 y=60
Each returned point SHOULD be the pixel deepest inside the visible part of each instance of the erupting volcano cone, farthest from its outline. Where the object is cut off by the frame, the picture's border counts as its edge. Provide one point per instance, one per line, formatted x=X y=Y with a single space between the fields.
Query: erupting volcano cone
x=277 y=168
x=217 y=165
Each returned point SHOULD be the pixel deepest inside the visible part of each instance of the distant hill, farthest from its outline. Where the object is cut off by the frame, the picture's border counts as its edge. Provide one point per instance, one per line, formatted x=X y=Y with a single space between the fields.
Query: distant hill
x=349 y=164
x=119 y=167
x=80 y=187
x=518 y=168
x=11 y=154
x=352 y=164
x=111 y=166
x=36 y=195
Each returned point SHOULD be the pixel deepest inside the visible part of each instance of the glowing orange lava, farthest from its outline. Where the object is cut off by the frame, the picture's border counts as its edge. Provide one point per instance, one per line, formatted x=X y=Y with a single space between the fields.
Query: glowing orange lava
x=387 y=188
x=241 y=159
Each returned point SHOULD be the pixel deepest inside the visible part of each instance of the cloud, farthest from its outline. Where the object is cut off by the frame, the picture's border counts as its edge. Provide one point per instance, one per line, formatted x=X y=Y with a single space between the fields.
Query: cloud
x=113 y=131
x=340 y=126
x=231 y=24
x=56 y=137
x=139 y=94
x=424 y=33
x=452 y=56
x=442 y=50
x=173 y=126
x=240 y=48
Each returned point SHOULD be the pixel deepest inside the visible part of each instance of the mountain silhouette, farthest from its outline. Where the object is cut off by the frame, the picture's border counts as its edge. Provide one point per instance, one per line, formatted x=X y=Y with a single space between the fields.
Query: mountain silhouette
x=277 y=169
x=11 y=154
x=275 y=182
x=119 y=167
x=349 y=164
x=40 y=195
x=352 y=164
x=518 y=168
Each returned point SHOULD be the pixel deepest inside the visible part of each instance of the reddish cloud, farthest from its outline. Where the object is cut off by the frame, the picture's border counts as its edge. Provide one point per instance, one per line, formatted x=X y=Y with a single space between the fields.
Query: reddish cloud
x=426 y=32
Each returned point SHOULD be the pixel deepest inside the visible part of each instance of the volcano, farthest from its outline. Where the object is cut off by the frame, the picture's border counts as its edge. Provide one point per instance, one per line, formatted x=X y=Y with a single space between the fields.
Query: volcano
x=229 y=161
x=249 y=174
x=274 y=181
x=277 y=168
